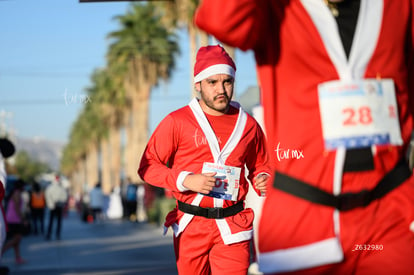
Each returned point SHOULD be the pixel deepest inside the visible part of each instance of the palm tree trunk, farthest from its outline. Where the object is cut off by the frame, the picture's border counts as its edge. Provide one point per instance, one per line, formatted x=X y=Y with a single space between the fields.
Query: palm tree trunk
x=137 y=131
x=115 y=157
x=76 y=182
x=192 y=36
x=142 y=129
x=204 y=38
x=131 y=129
x=231 y=51
x=129 y=145
x=105 y=166
x=92 y=166
x=83 y=172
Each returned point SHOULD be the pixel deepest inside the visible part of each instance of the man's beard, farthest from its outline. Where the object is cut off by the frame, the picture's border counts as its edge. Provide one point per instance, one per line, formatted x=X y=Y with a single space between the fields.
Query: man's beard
x=213 y=105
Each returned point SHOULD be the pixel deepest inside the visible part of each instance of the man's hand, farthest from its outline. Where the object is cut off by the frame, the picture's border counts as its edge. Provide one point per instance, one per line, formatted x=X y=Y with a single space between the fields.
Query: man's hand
x=201 y=183
x=260 y=182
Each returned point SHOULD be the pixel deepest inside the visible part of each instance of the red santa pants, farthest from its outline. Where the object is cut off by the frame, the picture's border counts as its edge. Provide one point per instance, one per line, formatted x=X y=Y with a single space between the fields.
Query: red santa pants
x=200 y=250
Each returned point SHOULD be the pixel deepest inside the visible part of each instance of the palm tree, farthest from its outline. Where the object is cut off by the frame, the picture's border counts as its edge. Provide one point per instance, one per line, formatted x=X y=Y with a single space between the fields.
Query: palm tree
x=110 y=102
x=180 y=13
x=74 y=154
x=143 y=50
x=80 y=156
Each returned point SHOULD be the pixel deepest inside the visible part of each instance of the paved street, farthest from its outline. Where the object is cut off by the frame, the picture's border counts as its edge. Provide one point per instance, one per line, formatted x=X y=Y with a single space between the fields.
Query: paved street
x=104 y=248
x=111 y=247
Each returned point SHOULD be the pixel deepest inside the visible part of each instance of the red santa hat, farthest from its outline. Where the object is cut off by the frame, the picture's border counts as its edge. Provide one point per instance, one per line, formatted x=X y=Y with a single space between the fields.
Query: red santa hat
x=213 y=60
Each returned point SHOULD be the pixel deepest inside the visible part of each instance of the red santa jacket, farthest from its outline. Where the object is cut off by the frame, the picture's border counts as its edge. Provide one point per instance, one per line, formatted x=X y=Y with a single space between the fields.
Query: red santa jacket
x=296 y=50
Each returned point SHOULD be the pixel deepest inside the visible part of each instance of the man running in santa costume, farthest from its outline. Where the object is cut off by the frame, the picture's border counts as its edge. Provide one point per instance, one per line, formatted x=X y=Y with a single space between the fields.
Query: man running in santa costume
x=201 y=153
x=337 y=86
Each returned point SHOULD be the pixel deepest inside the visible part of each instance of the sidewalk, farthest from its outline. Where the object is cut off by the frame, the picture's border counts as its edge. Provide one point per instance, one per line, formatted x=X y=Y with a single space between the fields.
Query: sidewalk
x=103 y=248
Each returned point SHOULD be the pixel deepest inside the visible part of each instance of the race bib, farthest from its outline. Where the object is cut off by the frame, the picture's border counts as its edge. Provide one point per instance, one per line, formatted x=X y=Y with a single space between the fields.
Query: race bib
x=359 y=113
x=227 y=181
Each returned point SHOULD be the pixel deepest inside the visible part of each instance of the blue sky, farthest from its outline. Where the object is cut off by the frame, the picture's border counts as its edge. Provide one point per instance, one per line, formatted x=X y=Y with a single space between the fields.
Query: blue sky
x=48 y=51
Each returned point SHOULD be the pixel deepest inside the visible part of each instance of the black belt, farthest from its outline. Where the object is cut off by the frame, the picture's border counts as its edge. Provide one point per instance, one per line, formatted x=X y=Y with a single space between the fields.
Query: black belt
x=359 y=159
x=211 y=213
x=344 y=201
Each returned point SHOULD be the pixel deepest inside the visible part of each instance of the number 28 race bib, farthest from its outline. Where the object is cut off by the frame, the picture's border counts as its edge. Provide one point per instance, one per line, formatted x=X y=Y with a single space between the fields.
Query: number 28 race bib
x=359 y=113
x=227 y=180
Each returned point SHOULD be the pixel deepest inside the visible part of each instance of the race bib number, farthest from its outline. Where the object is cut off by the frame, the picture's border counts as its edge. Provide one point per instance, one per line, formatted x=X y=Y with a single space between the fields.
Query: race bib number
x=359 y=113
x=227 y=181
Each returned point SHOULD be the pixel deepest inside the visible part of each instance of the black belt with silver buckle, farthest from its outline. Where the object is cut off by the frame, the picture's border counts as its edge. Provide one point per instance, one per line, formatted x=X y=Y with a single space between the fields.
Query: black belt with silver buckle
x=213 y=212
x=344 y=201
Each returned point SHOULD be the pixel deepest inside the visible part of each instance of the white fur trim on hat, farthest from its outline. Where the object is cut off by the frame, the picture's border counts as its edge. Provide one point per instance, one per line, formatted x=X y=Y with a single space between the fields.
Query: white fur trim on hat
x=215 y=69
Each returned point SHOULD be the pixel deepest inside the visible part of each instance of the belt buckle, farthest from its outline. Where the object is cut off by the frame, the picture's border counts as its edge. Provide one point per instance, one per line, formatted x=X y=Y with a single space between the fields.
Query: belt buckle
x=215 y=213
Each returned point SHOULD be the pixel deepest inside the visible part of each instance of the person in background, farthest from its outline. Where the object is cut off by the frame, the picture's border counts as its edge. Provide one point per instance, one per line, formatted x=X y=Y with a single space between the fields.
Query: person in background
x=16 y=221
x=56 y=198
x=201 y=152
x=96 y=202
x=131 y=200
x=26 y=210
x=141 y=203
x=337 y=87
x=37 y=207
x=115 y=207
x=85 y=210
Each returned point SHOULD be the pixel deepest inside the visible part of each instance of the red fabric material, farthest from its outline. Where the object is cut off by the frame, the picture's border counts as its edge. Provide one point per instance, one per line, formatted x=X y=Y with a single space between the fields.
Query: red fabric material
x=211 y=55
x=180 y=141
x=202 y=251
x=221 y=126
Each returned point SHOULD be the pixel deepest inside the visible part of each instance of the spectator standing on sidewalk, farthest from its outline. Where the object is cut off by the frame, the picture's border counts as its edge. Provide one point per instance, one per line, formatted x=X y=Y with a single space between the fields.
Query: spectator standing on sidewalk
x=16 y=221
x=141 y=203
x=96 y=202
x=56 y=198
x=115 y=208
x=37 y=207
x=131 y=201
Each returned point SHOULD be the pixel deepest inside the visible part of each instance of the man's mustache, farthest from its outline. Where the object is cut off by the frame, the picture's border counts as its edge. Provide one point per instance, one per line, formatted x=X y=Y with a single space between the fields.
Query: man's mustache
x=225 y=95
